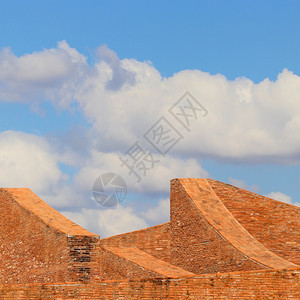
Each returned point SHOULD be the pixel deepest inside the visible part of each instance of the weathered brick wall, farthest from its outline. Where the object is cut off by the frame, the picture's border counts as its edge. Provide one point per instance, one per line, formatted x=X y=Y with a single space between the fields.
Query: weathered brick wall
x=133 y=263
x=153 y=240
x=84 y=257
x=195 y=245
x=37 y=244
x=275 y=224
x=115 y=267
x=264 y=284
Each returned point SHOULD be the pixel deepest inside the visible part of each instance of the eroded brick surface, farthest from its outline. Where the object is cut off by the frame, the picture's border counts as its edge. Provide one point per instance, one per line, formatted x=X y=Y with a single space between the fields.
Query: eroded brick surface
x=264 y=285
x=153 y=240
x=40 y=245
x=114 y=266
x=147 y=262
x=221 y=243
x=195 y=244
x=275 y=224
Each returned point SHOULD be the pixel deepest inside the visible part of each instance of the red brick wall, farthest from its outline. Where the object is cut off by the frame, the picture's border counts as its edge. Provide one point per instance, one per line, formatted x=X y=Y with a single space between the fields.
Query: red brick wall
x=84 y=258
x=153 y=240
x=120 y=259
x=114 y=267
x=40 y=245
x=275 y=224
x=264 y=284
x=195 y=245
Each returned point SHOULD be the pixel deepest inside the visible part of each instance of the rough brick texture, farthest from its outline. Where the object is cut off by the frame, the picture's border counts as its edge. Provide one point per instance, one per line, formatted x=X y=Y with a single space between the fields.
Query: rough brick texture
x=153 y=240
x=264 y=285
x=195 y=244
x=40 y=245
x=135 y=263
x=273 y=223
x=114 y=266
x=221 y=243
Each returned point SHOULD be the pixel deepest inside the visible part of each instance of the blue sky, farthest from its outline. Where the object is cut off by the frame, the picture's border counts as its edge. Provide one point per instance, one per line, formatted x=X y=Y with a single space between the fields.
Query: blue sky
x=81 y=81
x=256 y=39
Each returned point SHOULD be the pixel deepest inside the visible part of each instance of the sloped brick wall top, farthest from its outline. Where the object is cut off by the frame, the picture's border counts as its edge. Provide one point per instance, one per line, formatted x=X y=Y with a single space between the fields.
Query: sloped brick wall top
x=199 y=219
x=44 y=212
x=273 y=223
x=38 y=244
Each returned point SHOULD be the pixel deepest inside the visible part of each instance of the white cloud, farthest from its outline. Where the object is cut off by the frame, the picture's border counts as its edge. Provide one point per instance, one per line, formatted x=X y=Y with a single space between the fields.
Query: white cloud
x=245 y=121
x=156 y=180
x=123 y=98
x=158 y=214
x=238 y=183
x=50 y=73
x=28 y=161
x=107 y=222
x=25 y=160
x=243 y=185
x=119 y=75
x=282 y=197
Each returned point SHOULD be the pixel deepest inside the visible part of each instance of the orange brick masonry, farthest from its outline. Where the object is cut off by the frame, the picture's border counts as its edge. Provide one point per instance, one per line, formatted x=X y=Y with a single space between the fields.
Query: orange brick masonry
x=222 y=242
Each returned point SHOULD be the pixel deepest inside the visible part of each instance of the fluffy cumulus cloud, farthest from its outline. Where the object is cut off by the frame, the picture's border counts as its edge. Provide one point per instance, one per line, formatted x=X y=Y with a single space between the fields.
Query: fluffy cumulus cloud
x=28 y=161
x=121 y=100
x=50 y=73
x=119 y=75
x=158 y=214
x=107 y=222
x=245 y=121
x=282 y=197
x=25 y=160
x=121 y=219
x=156 y=180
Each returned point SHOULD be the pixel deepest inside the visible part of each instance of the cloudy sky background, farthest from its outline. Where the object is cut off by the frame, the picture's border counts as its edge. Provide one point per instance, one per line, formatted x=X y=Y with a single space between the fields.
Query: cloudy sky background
x=81 y=82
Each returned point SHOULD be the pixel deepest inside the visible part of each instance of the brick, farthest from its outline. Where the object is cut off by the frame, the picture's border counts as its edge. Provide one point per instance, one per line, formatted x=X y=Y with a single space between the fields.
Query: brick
x=222 y=242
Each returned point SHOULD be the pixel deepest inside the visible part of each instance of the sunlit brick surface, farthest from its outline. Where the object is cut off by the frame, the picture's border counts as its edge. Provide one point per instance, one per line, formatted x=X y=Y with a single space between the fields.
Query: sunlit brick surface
x=153 y=240
x=275 y=224
x=263 y=285
x=221 y=243
x=38 y=244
